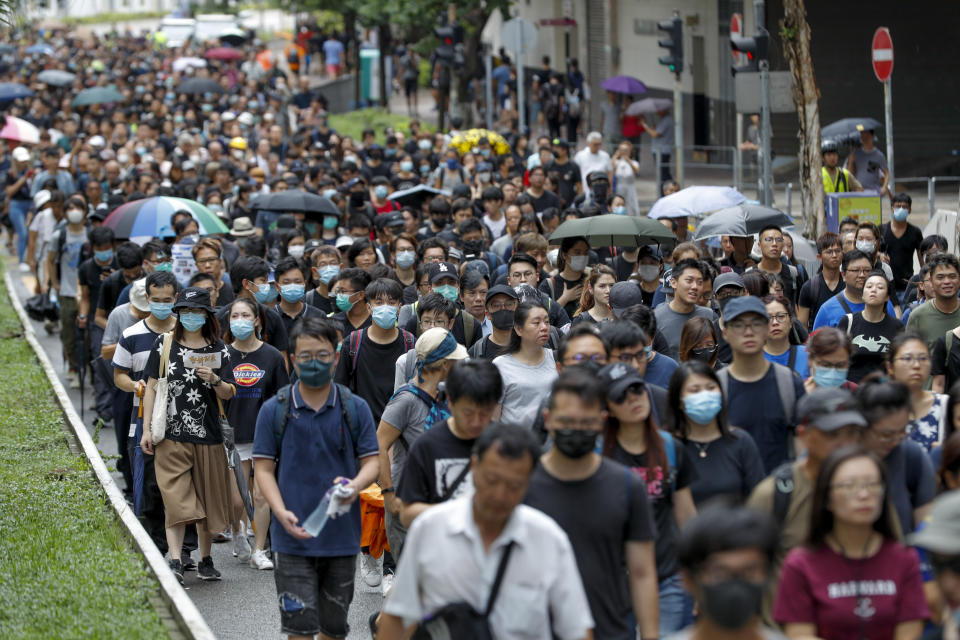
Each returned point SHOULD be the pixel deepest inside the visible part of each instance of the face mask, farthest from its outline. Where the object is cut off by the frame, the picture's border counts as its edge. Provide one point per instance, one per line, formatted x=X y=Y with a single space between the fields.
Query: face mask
x=485 y=153
x=74 y=216
x=161 y=310
x=328 y=273
x=164 y=266
x=384 y=316
x=343 y=302
x=703 y=406
x=424 y=168
x=104 y=256
x=826 y=377
x=193 y=321
x=170 y=97
x=292 y=292
x=329 y=222
x=731 y=604
x=315 y=373
x=311 y=228
x=900 y=214
x=620 y=210
x=866 y=246
x=648 y=272
x=406 y=166
x=552 y=256
x=380 y=191
x=356 y=199
x=390 y=152
x=502 y=319
x=484 y=176
x=578 y=263
x=575 y=443
x=452 y=164
x=599 y=194
x=405 y=259
x=295 y=250
x=703 y=354
x=473 y=247
x=265 y=293
x=424 y=145
x=448 y=291
x=241 y=329
x=329 y=193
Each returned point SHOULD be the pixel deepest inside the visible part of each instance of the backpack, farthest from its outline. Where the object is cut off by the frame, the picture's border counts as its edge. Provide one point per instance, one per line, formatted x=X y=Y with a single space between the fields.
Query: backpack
x=60 y=237
x=574 y=106
x=438 y=409
x=782 y=491
x=843 y=303
x=551 y=103
x=282 y=412
x=786 y=390
x=355 y=339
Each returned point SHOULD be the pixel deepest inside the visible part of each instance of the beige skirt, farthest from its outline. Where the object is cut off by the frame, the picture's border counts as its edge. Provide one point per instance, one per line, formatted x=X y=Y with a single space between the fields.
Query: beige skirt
x=195 y=484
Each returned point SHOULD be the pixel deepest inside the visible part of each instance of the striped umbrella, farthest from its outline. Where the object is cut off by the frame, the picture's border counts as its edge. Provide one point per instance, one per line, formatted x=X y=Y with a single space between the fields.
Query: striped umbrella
x=19 y=131
x=150 y=218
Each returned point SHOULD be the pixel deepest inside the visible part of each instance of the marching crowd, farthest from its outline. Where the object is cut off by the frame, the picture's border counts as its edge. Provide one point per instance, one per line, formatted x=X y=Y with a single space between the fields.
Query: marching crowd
x=568 y=440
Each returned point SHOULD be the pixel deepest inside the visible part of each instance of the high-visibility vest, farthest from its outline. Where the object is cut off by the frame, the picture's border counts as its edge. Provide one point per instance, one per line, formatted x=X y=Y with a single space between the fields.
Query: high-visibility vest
x=838 y=185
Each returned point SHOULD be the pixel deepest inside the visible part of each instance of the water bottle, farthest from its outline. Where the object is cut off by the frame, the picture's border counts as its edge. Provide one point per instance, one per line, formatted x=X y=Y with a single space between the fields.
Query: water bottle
x=315 y=521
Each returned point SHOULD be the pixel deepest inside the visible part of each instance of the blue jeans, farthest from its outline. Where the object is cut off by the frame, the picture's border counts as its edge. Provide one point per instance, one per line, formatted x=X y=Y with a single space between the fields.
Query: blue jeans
x=18 y=216
x=676 y=606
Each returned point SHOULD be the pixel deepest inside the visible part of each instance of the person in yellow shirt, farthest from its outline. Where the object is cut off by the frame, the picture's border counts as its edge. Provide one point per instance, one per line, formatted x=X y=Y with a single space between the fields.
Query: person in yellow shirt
x=836 y=178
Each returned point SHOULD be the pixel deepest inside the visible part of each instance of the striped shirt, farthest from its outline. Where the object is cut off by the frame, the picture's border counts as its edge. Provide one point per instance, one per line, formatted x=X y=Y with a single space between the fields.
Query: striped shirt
x=131 y=357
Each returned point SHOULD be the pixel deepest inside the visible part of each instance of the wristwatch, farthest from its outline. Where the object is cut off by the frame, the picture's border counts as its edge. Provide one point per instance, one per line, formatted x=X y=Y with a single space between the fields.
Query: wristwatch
x=387 y=490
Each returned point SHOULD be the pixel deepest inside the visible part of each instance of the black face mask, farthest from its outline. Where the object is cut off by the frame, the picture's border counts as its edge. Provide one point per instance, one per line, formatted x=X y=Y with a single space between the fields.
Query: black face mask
x=575 y=443
x=473 y=247
x=703 y=354
x=599 y=193
x=731 y=604
x=356 y=199
x=502 y=319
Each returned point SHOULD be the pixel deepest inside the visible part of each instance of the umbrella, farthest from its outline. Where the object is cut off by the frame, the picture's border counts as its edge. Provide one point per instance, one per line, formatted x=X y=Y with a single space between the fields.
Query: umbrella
x=199 y=85
x=13 y=90
x=233 y=462
x=612 y=230
x=97 y=95
x=744 y=219
x=648 y=105
x=234 y=37
x=414 y=196
x=466 y=141
x=56 y=77
x=695 y=201
x=150 y=218
x=180 y=64
x=224 y=53
x=20 y=131
x=847 y=131
x=41 y=49
x=295 y=201
x=624 y=84
x=803 y=249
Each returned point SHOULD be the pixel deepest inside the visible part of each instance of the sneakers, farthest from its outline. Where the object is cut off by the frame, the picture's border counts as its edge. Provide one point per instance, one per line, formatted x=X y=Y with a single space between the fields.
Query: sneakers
x=24 y=267
x=241 y=547
x=370 y=570
x=189 y=564
x=386 y=584
x=74 y=380
x=249 y=531
x=259 y=560
x=177 y=567
x=223 y=536
x=205 y=570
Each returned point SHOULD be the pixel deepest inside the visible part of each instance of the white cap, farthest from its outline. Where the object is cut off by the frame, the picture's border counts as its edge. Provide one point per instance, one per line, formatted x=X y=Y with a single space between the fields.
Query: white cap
x=138 y=295
x=41 y=198
x=97 y=142
x=227 y=116
x=20 y=154
x=246 y=119
x=343 y=241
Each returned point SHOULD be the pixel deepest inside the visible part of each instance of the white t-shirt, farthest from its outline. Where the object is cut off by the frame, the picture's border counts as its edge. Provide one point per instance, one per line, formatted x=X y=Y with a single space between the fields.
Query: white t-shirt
x=588 y=162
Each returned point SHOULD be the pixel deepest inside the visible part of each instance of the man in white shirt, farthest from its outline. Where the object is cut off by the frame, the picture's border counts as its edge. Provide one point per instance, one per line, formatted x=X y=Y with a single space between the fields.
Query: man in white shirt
x=453 y=551
x=593 y=158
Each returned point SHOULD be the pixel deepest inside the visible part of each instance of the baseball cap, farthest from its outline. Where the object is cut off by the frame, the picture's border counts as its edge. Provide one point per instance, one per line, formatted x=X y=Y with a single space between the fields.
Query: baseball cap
x=650 y=251
x=343 y=241
x=20 y=154
x=41 y=198
x=942 y=533
x=624 y=294
x=138 y=295
x=501 y=289
x=617 y=378
x=829 y=409
x=97 y=142
x=744 y=304
x=438 y=344
x=440 y=270
x=193 y=298
x=729 y=279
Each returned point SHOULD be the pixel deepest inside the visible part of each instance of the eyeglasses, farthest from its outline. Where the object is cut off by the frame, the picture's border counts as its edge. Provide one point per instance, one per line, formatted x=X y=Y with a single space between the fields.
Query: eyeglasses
x=493 y=307
x=780 y=318
x=337 y=292
x=832 y=252
x=739 y=326
x=773 y=240
x=320 y=356
x=888 y=436
x=638 y=356
x=859 y=272
x=429 y=323
x=874 y=488
x=600 y=358
x=911 y=359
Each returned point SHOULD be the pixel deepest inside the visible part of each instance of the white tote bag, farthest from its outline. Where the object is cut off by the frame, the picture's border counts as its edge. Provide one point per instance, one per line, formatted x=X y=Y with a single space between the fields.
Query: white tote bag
x=158 y=418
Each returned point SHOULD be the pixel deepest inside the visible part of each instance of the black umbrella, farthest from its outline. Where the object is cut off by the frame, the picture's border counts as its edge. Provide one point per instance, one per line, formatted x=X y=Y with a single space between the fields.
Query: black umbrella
x=295 y=201
x=847 y=131
x=196 y=86
x=414 y=196
x=744 y=219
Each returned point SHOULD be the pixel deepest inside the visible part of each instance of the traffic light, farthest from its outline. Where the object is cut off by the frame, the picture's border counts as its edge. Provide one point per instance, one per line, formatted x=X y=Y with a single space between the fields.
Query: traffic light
x=445 y=50
x=753 y=49
x=673 y=43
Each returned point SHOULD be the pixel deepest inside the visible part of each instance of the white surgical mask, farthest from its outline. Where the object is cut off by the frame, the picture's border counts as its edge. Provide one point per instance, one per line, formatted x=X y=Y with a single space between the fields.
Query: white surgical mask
x=648 y=272
x=578 y=263
x=866 y=246
x=75 y=216
x=295 y=250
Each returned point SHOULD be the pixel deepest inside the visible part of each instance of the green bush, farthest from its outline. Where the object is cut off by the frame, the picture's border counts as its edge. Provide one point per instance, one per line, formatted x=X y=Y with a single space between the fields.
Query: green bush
x=353 y=123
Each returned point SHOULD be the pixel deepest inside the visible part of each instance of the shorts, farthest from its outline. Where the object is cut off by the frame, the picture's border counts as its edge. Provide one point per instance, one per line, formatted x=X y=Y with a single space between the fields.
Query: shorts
x=333 y=69
x=245 y=449
x=314 y=594
x=195 y=483
x=410 y=86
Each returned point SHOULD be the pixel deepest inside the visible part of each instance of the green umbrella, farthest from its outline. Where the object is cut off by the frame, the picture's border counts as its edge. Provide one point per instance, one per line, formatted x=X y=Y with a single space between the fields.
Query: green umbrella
x=97 y=95
x=613 y=230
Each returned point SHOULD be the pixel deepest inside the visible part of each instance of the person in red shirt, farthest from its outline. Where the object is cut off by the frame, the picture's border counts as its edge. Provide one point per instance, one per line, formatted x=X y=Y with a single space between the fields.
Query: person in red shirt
x=380 y=189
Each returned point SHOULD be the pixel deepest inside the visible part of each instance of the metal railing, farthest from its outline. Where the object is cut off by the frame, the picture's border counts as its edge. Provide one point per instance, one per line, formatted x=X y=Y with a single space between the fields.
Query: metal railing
x=931 y=182
x=727 y=156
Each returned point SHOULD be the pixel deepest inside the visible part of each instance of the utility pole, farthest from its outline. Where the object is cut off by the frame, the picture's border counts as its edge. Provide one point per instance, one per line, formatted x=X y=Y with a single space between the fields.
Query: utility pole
x=674 y=61
x=756 y=50
x=488 y=85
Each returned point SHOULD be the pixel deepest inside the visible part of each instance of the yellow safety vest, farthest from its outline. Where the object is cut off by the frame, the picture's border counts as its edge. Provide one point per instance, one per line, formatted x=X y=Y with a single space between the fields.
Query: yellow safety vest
x=841 y=184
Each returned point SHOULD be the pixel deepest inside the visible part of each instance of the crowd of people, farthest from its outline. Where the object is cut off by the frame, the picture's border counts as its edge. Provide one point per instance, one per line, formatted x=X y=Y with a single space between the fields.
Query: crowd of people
x=567 y=440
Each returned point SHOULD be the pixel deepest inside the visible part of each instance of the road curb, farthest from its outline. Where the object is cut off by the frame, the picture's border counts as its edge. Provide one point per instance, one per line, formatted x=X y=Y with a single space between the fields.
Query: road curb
x=188 y=617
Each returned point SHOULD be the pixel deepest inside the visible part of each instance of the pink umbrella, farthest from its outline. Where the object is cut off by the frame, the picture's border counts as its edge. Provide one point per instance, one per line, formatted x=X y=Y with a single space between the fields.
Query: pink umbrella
x=20 y=131
x=223 y=53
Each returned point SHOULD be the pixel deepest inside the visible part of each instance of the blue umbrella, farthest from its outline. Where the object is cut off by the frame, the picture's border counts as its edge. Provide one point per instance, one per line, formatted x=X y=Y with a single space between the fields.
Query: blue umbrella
x=13 y=90
x=41 y=49
x=624 y=84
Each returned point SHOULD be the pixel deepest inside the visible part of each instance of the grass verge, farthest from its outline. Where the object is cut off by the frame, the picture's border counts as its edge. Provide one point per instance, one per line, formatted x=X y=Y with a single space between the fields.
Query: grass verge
x=66 y=570
x=353 y=123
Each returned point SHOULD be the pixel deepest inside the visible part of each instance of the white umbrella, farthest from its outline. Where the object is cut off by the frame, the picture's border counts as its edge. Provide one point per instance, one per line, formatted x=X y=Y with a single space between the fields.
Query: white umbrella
x=695 y=201
x=803 y=250
x=649 y=105
x=180 y=64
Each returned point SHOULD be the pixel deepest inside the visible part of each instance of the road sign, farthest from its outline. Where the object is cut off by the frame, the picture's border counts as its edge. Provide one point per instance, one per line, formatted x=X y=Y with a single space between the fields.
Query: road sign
x=749 y=99
x=882 y=54
x=736 y=29
x=519 y=35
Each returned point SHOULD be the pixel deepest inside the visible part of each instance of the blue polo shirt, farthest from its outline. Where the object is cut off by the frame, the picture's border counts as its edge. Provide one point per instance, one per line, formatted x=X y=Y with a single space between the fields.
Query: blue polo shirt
x=659 y=370
x=831 y=311
x=316 y=448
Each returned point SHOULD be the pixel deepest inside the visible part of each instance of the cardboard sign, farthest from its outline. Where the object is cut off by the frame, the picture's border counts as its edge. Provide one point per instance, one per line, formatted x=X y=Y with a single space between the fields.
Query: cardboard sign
x=861 y=206
x=194 y=359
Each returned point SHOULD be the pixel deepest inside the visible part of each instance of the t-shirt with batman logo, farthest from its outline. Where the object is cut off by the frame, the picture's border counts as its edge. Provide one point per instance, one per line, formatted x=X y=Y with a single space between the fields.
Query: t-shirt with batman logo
x=871 y=342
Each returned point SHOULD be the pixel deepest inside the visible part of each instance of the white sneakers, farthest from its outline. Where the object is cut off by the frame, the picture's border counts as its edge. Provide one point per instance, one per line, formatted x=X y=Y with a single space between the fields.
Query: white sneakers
x=386 y=585
x=370 y=570
x=24 y=267
x=259 y=560
x=241 y=548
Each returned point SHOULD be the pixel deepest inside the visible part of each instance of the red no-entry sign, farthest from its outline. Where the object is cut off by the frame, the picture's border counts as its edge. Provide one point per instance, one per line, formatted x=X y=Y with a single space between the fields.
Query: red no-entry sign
x=882 y=54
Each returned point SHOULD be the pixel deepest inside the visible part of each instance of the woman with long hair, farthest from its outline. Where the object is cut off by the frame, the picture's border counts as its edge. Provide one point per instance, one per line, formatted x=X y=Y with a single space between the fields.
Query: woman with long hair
x=726 y=458
x=567 y=286
x=595 y=299
x=528 y=368
x=872 y=330
x=699 y=341
x=779 y=347
x=908 y=361
x=632 y=438
x=853 y=579
x=828 y=356
x=190 y=462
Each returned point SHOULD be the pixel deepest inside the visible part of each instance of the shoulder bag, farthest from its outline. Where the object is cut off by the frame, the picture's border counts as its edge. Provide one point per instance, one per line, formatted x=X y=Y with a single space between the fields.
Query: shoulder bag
x=158 y=417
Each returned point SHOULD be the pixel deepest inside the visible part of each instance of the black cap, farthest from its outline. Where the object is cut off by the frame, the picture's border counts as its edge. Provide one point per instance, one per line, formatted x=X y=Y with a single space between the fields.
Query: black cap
x=193 y=298
x=440 y=270
x=617 y=378
x=501 y=289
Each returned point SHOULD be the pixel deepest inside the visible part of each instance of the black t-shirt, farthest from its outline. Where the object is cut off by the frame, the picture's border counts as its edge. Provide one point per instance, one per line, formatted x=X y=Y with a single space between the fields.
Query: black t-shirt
x=275 y=334
x=306 y=312
x=566 y=176
x=661 y=489
x=23 y=193
x=546 y=200
x=815 y=292
x=600 y=515
x=88 y=275
x=487 y=349
x=192 y=412
x=314 y=299
x=372 y=377
x=554 y=286
x=786 y=277
x=435 y=461
x=110 y=289
x=458 y=330
x=901 y=251
x=257 y=376
x=725 y=467
x=225 y=295
x=871 y=342
x=941 y=365
x=346 y=325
